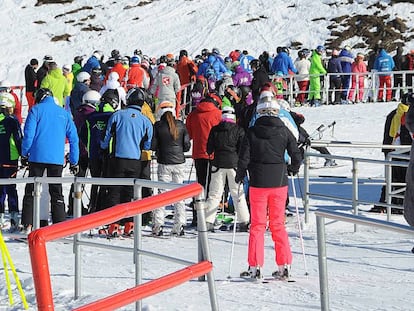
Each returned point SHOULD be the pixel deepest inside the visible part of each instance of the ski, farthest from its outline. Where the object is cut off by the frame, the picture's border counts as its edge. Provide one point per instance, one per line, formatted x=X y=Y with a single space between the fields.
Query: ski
x=265 y=280
x=317 y=167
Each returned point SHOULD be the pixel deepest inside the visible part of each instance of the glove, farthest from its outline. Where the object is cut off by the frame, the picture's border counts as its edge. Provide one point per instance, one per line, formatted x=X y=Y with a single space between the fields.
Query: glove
x=239 y=179
x=74 y=169
x=24 y=160
x=292 y=170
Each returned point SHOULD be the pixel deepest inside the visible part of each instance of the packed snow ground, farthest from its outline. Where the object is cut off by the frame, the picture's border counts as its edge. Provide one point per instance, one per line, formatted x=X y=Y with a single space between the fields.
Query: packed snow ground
x=368 y=270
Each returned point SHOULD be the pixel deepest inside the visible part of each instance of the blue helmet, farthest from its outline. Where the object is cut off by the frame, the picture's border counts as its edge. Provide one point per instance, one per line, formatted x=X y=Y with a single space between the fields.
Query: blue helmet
x=320 y=48
x=135 y=59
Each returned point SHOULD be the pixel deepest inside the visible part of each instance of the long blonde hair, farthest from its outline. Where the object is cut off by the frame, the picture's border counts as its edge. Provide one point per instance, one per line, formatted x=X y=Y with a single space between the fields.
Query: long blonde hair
x=171 y=124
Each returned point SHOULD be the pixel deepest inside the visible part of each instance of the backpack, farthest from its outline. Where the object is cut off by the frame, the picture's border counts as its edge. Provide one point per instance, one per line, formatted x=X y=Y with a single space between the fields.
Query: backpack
x=111 y=97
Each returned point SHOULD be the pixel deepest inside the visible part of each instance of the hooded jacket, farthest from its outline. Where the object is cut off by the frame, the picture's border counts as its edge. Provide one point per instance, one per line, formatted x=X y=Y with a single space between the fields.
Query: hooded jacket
x=131 y=131
x=166 y=85
x=46 y=128
x=57 y=83
x=168 y=150
x=199 y=123
x=242 y=77
x=224 y=141
x=263 y=153
x=10 y=139
x=384 y=63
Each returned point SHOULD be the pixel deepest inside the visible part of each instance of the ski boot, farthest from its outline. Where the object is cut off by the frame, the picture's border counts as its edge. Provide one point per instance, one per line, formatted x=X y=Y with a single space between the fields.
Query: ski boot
x=114 y=230
x=283 y=273
x=254 y=273
x=157 y=230
x=177 y=230
x=129 y=228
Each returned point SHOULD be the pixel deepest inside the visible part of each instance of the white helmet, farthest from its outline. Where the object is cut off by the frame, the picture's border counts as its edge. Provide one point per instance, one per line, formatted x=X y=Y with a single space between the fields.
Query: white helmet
x=83 y=76
x=91 y=98
x=165 y=106
x=113 y=76
x=66 y=68
x=268 y=108
x=98 y=54
x=228 y=114
x=5 y=86
x=7 y=100
x=266 y=96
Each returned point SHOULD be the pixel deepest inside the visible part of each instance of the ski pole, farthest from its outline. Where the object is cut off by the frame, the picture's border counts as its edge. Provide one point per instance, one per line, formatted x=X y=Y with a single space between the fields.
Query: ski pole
x=233 y=239
x=292 y=178
x=6 y=255
x=191 y=170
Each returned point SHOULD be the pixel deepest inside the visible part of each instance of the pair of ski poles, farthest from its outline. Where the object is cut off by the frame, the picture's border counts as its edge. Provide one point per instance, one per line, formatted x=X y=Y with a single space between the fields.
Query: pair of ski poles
x=7 y=261
x=292 y=178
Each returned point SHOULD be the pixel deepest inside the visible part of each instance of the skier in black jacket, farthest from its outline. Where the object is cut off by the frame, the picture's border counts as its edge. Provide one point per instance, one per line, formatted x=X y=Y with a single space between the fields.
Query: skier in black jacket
x=169 y=142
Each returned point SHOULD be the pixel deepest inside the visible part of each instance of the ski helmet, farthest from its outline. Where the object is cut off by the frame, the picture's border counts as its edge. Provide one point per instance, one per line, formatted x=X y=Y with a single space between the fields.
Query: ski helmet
x=48 y=59
x=205 y=52
x=135 y=96
x=97 y=70
x=214 y=98
x=98 y=54
x=111 y=97
x=41 y=94
x=114 y=53
x=135 y=59
x=5 y=86
x=408 y=99
x=286 y=50
x=269 y=108
x=183 y=53
x=78 y=60
x=83 y=76
x=91 y=98
x=165 y=106
x=255 y=63
x=228 y=114
x=7 y=100
x=320 y=49
x=66 y=68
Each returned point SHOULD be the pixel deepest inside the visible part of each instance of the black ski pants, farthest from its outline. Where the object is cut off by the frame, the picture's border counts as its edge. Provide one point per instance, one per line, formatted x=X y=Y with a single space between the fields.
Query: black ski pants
x=57 y=202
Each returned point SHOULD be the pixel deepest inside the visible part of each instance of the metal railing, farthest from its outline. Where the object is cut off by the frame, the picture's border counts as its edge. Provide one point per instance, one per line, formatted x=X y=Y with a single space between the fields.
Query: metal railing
x=371 y=84
x=322 y=257
x=138 y=252
x=355 y=175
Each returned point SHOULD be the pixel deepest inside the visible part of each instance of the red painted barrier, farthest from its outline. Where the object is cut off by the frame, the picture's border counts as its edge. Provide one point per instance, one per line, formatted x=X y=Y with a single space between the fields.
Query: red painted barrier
x=38 y=238
x=148 y=289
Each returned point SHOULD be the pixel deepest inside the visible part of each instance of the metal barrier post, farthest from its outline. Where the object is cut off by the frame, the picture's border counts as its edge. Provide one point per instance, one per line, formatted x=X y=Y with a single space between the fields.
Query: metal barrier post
x=37 y=189
x=326 y=89
x=138 y=243
x=323 y=270
x=306 y=187
x=77 y=212
x=388 y=186
x=204 y=251
x=355 y=195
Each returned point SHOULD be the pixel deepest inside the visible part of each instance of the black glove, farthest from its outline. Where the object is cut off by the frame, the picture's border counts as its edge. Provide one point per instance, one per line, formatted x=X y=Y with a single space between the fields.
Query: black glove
x=239 y=179
x=292 y=170
x=24 y=161
x=74 y=169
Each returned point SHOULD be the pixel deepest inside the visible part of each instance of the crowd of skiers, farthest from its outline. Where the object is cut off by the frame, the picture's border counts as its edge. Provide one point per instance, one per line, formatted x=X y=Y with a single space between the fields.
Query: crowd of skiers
x=116 y=114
